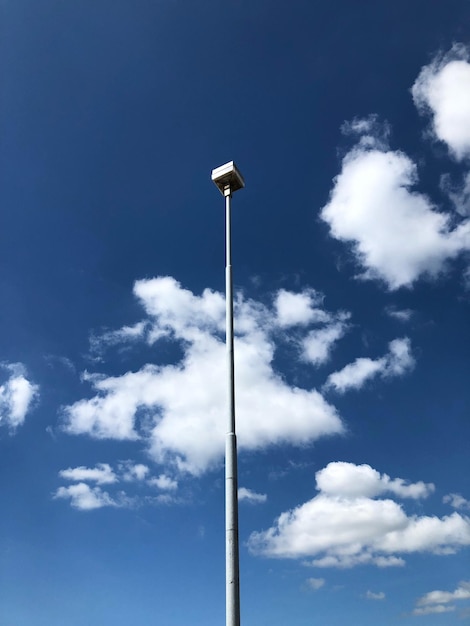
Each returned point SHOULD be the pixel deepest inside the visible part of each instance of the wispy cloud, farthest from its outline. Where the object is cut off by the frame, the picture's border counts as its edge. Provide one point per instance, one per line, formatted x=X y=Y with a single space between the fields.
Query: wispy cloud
x=397 y=362
x=456 y=501
x=101 y=474
x=122 y=337
x=433 y=608
x=439 y=601
x=248 y=495
x=314 y=584
x=370 y=595
x=318 y=344
x=402 y=315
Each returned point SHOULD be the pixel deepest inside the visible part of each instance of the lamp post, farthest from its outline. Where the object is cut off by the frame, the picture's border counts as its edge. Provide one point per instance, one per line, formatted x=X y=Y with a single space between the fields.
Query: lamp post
x=228 y=180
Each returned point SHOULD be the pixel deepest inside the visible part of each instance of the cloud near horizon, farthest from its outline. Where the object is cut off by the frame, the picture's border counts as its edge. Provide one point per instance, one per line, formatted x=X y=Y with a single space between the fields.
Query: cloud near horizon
x=346 y=525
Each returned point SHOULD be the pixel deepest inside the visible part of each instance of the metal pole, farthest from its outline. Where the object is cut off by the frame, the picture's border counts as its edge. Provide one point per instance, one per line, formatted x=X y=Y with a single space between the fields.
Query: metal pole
x=232 y=577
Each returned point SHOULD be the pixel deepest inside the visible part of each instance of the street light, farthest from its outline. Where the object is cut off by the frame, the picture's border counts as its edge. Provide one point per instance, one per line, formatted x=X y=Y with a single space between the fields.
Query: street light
x=228 y=180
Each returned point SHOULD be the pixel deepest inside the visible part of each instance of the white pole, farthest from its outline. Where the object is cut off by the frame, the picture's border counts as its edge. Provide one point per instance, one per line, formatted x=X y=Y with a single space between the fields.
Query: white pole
x=231 y=478
x=228 y=179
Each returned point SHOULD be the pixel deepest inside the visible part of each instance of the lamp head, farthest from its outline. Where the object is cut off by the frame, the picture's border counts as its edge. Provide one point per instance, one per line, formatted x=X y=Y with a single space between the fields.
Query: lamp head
x=228 y=178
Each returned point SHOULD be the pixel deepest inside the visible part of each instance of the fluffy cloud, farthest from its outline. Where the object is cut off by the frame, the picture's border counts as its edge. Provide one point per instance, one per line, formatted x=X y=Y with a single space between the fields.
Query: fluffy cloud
x=251 y=496
x=164 y=482
x=349 y=480
x=397 y=362
x=439 y=601
x=17 y=394
x=294 y=309
x=443 y=90
x=443 y=597
x=84 y=497
x=344 y=525
x=396 y=233
x=178 y=410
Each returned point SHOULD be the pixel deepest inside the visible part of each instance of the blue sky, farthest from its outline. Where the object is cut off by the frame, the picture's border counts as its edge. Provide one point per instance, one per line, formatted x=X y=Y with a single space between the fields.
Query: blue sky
x=351 y=126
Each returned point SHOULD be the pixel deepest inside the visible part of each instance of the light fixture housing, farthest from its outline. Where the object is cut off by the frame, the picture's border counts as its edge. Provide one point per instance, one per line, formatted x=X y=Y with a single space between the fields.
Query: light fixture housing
x=228 y=177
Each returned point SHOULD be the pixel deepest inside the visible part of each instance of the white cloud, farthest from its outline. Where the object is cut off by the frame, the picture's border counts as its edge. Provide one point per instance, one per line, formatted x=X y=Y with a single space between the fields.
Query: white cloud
x=356 y=374
x=436 y=608
x=303 y=309
x=163 y=482
x=177 y=410
x=399 y=359
x=396 y=232
x=397 y=362
x=439 y=601
x=131 y=472
x=349 y=480
x=84 y=497
x=294 y=309
x=102 y=474
x=318 y=344
x=344 y=561
x=443 y=90
x=370 y=131
x=344 y=526
x=370 y=595
x=178 y=311
x=459 y=194
x=251 y=496
x=456 y=501
x=16 y=395
x=444 y=597
x=402 y=315
x=124 y=335
x=315 y=583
